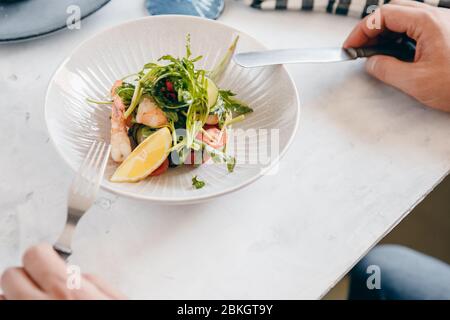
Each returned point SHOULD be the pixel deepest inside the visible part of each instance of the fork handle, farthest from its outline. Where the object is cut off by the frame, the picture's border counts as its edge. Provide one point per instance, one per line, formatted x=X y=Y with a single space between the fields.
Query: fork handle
x=63 y=245
x=62 y=251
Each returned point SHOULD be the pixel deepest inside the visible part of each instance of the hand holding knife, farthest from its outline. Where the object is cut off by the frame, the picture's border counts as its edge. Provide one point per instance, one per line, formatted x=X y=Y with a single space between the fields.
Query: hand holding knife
x=403 y=48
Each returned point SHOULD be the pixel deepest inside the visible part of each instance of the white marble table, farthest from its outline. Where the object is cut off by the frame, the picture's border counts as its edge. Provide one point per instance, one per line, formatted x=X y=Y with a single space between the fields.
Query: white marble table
x=365 y=154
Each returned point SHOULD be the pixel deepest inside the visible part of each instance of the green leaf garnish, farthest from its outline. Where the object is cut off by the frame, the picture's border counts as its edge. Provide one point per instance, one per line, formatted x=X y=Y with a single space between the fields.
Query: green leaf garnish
x=196 y=183
x=234 y=105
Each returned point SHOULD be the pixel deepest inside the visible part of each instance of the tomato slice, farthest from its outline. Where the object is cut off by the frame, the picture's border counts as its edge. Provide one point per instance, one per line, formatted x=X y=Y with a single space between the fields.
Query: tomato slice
x=169 y=86
x=161 y=169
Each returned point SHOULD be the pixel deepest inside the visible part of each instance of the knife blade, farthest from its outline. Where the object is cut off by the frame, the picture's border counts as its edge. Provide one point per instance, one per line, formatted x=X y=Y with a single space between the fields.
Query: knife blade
x=403 y=50
x=307 y=55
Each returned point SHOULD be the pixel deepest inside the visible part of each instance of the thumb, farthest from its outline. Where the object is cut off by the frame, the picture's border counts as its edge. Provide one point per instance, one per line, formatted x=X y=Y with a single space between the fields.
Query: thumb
x=391 y=71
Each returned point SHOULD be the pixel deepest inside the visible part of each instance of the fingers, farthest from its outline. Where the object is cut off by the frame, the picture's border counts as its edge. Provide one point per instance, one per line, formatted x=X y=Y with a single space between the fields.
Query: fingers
x=104 y=287
x=45 y=276
x=392 y=17
x=363 y=33
x=17 y=285
x=49 y=271
x=391 y=71
x=45 y=267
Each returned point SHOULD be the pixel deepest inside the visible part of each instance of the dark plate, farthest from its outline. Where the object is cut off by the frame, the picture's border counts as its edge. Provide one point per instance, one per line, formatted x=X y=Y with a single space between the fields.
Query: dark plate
x=210 y=9
x=27 y=19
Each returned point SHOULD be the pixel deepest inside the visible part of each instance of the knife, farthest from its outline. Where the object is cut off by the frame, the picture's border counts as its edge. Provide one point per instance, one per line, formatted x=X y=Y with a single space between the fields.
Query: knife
x=403 y=49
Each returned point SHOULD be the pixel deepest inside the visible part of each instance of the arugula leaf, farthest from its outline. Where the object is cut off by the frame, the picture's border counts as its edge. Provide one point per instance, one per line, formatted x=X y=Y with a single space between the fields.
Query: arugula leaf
x=231 y=164
x=220 y=157
x=93 y=101
x=126 y=92
x=172 y=116
x=197 y=183
x=232 y=104
x=181 y=91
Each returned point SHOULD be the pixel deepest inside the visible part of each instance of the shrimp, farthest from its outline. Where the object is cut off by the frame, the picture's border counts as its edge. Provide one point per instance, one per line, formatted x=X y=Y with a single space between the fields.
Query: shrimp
x=213 y=137
x=120 y=142
x=150 y=114
x=212 y=119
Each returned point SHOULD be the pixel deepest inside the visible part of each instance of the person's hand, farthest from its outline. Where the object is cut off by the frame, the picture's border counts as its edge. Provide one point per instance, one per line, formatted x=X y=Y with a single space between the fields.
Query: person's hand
x=44 y=276
x=428 y=77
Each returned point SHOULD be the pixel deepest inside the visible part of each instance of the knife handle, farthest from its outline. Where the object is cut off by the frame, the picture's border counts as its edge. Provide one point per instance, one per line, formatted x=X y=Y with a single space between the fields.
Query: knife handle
x=403 y=49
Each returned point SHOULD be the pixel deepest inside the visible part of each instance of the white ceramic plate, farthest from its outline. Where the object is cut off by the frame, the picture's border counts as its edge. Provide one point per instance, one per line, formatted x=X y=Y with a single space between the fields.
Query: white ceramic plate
x=122 y=50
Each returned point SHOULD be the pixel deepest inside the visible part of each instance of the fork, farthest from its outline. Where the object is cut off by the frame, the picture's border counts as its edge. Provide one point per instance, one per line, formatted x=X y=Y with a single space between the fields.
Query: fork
x=82 y=194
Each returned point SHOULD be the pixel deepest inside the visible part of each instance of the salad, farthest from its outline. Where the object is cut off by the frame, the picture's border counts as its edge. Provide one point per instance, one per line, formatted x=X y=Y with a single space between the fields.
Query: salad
x=170 y=114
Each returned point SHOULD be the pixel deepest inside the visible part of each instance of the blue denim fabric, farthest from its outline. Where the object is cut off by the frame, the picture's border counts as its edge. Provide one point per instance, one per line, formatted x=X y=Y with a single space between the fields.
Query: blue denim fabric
x=404 y=273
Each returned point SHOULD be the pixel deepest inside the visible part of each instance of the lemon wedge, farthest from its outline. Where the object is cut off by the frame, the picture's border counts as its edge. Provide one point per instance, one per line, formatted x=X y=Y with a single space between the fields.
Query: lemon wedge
x=146 y=158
